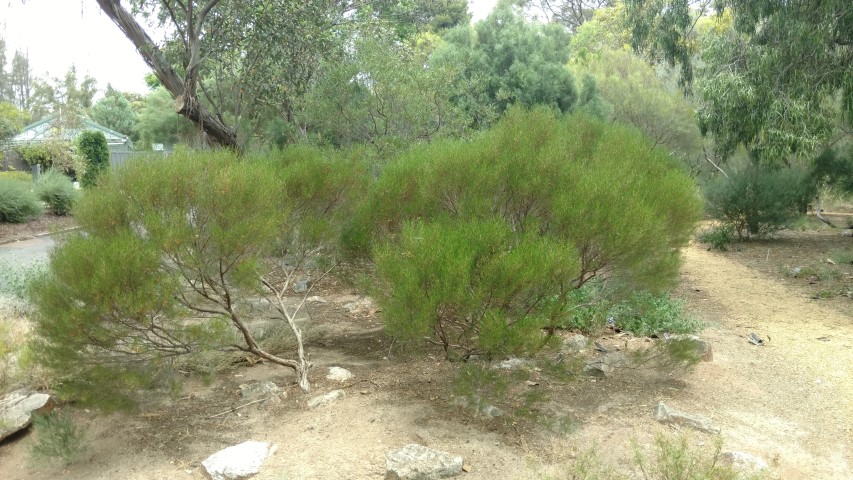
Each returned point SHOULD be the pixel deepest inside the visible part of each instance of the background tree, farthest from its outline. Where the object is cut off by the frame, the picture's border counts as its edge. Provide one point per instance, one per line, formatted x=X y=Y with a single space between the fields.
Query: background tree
x=383 y=95
x=506 y=60
x=159 y=123
x=114 y=111
x=569 y=13
x=12 y=121
x=774 y=77
x=20 y=80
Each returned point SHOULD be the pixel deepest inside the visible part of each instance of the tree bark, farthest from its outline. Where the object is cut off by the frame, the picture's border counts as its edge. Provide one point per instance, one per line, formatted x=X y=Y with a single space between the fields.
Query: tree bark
x=186 y=102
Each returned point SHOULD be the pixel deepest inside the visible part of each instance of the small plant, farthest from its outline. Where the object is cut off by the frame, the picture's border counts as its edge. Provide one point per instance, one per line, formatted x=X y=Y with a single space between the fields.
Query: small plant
x=675 y=459
x=16 y=175
x=18 y=203
x=842 y=257
x=647 y=314
x=15 y=278
x=718 y=238
x=57 y=191
x=57 y=438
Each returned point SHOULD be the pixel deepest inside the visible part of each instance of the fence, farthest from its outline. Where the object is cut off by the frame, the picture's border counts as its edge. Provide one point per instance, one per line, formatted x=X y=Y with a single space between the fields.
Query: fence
x=117 y=159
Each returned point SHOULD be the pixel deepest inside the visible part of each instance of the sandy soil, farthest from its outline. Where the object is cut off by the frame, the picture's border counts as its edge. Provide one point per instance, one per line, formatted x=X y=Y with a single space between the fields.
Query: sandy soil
x=47 y=223
x=789 y=401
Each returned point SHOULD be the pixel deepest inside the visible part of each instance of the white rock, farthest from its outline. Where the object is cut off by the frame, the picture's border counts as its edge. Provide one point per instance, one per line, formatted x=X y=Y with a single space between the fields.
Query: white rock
x=362 y=306
x=326 y=399
x=672 y=416
x=416 y=462
x=514 y=363
x=238 y=462
x=259 y=390
x=18 y=407
x=743 y=462
x=339 y=374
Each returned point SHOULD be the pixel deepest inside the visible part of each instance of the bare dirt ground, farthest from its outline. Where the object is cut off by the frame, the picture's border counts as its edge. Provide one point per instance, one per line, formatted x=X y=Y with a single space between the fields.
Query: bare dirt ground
x=45 y=224
x=789 y=401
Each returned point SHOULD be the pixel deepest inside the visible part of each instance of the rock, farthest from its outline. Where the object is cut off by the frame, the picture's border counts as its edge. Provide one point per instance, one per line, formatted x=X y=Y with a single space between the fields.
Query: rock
x=17 y=409
x=672 y=416
x=514 y=363
x=326 y=399
x=316 y=299
x=755 y=339
x=699 y=347
x=301 y=286
x=416 y=462
x=743 y=462
x=605 y=365
x=479 y=406
x=238 y=462
x=339 y=374
x=259 y=390
x=362 y=306
x=575 y=343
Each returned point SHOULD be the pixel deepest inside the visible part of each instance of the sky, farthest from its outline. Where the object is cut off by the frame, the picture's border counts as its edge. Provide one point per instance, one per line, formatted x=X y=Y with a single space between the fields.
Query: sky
x=59 y=33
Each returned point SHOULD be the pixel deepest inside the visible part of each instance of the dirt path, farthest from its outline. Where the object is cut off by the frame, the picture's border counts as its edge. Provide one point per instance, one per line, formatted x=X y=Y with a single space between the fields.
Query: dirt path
x=790 y=400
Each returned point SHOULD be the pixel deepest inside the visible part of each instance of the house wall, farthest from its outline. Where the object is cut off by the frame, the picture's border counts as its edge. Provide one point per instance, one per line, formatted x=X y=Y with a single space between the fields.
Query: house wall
x=13 y=161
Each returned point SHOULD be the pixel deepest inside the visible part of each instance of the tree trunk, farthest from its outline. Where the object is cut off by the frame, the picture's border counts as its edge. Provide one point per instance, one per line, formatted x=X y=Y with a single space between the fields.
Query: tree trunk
x=186 y=102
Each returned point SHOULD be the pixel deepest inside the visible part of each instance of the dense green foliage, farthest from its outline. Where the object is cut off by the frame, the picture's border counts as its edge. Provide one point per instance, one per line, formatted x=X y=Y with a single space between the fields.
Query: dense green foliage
x=505 y=60
x=758 y=200
x=12 y=121
x=114 y=112
x=170 y=250
x=53 y=153
x=57 y=438
x=18 y=203
x=503 y=229
x=57 y=191
x=93 y=147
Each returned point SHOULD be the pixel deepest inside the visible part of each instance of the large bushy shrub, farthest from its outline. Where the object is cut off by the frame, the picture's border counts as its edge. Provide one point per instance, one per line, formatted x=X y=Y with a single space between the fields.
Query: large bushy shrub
x=479 y=243
x=92 y=145
x=172 y=252
x=18 y=203
x=57 y=191
x=758 y=200
x=53 y=153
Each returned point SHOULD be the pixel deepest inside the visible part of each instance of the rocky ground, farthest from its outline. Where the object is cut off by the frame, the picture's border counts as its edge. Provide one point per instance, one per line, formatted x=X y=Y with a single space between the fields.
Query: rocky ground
x=787 y=401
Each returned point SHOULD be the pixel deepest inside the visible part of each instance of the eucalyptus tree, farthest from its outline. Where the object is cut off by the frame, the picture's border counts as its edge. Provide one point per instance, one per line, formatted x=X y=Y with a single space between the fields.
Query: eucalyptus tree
x=776 y=77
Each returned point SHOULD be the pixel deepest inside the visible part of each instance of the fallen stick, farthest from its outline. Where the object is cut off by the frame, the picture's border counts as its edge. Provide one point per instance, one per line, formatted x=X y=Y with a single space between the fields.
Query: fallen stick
x=234 y=409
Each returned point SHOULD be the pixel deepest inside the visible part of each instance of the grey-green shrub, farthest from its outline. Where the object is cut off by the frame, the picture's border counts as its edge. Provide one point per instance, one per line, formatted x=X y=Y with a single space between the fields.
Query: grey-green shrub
x=480 y=244
x=57 y=191
x=18 y=202
x=57 y=438
x=758 y=200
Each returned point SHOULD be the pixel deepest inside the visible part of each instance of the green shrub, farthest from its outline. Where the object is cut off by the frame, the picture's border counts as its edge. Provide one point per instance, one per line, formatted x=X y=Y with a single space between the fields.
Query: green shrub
x=92 y=145
x=645 y=314
x=57 y=191
x=481 y=244
x=15 y=277
x=759 y=200
x=18 y=203
x=57 y=438
x=171 y=252
x=718 y=237
x=53 y=153
x=16 y=175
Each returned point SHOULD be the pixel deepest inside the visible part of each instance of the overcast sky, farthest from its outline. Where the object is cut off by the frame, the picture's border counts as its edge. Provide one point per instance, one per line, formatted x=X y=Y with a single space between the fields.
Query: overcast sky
x=59 y=33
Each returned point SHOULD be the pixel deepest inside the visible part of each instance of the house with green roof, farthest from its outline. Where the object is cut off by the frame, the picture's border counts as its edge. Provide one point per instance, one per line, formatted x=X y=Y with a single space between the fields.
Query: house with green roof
x=55 y=127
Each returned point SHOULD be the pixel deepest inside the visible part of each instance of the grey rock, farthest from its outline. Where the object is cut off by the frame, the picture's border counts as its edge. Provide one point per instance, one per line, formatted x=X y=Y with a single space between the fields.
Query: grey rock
x=238 y=462
x=575 y=343
x=605 y=365
x=301 y=286
x=416 y=462
x=672 y=416
x=258 y=390
x=699 y=347
x=339 y=374
x=326 y=399
x=754 y=339
x=17 y=409
x=478 y=405
x=364 y=305
x=743 y=462
x=514 y=363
